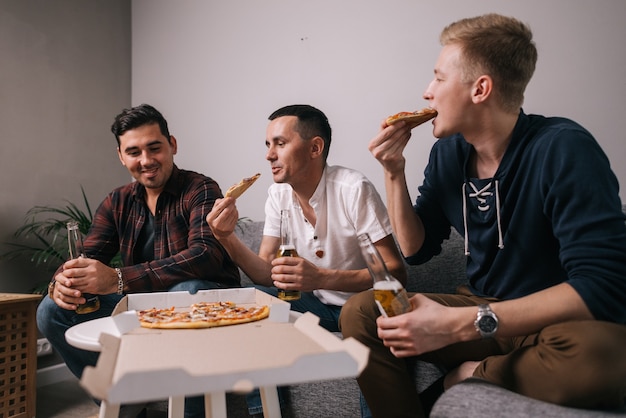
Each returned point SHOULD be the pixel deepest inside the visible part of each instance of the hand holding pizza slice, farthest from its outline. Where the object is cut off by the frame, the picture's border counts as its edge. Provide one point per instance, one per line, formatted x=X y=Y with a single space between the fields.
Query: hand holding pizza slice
x=413 y=119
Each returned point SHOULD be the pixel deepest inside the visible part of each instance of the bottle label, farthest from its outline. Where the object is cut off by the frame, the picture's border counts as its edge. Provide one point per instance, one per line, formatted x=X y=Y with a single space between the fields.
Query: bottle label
x=288 y=250
x=391 y=298
x=92 y=304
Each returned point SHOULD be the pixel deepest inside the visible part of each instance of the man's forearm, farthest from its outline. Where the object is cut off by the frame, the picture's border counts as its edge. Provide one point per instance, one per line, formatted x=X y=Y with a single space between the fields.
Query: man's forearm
x=406 y=225
x=529 y=314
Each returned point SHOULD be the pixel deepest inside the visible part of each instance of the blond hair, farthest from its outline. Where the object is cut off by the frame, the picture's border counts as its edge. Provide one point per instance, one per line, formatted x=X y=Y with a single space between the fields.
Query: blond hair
x=498 y=46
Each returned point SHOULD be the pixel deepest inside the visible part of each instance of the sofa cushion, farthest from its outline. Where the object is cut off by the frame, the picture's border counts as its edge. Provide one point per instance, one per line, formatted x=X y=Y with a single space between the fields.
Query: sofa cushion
x=250 y=233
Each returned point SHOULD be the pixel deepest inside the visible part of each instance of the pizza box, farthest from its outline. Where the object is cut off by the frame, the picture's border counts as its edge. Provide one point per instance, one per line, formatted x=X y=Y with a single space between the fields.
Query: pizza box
x=141 y=365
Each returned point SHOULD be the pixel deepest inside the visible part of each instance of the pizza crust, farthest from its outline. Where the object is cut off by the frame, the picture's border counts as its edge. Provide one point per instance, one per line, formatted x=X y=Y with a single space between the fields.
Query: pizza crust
x=237 y=190
x=413 y=119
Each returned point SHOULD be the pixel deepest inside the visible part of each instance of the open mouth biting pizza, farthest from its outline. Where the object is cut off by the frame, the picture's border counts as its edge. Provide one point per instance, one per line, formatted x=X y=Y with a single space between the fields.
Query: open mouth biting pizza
x=413 y=119
x=237 y=190
x=201 y=315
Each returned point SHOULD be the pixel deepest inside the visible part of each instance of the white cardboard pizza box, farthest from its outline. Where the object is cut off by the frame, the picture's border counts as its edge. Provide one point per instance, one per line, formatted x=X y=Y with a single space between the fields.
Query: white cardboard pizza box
x=138 y=364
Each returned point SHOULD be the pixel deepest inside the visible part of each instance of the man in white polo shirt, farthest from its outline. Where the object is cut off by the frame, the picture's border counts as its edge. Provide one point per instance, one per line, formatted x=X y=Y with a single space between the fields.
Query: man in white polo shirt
x=330 y=207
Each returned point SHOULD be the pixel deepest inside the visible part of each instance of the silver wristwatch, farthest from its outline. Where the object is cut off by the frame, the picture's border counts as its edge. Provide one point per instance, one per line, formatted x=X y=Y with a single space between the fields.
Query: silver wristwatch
x=486 y=321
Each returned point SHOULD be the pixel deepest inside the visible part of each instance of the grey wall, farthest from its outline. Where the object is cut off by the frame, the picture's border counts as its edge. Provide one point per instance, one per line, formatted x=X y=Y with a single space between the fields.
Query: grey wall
x=64 y=75
x=218 y=68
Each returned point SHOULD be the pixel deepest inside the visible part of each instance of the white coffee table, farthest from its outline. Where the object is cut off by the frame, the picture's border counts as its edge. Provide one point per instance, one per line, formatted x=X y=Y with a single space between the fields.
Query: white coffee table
x=141 y=365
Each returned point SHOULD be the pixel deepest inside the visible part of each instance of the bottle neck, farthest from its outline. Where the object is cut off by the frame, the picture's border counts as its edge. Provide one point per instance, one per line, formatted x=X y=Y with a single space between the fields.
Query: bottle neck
x=75 y=241
x=285 y=230
x=375 y=263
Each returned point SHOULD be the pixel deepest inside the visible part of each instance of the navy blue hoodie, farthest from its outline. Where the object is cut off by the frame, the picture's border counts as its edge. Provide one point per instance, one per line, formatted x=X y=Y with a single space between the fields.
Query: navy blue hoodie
x=550 y=214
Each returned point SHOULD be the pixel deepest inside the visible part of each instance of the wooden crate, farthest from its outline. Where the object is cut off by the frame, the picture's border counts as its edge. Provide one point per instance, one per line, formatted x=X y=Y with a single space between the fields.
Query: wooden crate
x=18 y=355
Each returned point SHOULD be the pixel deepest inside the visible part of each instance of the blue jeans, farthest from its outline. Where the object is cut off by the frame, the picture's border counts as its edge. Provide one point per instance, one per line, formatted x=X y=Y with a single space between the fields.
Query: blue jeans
x=53 y=321
x=365 y=410
x=308 y=302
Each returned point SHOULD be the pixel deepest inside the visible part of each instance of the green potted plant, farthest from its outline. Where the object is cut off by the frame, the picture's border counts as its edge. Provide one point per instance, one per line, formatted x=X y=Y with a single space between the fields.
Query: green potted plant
x=42 y=239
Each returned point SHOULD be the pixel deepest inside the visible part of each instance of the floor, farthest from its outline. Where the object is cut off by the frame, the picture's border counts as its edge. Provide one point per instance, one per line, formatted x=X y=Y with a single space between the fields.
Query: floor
x=67 y=399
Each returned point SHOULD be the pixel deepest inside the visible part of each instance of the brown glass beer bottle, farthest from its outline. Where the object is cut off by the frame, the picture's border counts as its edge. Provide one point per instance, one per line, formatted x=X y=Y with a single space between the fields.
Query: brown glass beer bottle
x=286 y=249
x=390 y=295
x=75 y=242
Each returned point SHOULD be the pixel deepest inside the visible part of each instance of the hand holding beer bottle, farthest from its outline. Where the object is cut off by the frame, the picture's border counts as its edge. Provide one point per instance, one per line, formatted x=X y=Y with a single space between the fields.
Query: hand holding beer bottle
x=286 y=249
x=75 y=241
x=390 y=295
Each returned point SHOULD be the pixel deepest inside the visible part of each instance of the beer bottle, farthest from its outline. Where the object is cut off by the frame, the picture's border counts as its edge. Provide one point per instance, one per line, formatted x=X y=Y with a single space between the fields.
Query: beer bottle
x=286 y=249
x=389 y=294
x=75 y=241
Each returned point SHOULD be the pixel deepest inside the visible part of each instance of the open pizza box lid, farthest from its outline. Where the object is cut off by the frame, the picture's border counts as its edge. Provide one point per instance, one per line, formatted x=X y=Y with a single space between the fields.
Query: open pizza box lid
x=141 y=365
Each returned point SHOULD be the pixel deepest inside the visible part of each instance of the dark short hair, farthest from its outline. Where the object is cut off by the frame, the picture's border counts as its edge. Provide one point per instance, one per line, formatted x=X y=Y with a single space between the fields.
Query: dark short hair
x=137 y=116
x=312 y=122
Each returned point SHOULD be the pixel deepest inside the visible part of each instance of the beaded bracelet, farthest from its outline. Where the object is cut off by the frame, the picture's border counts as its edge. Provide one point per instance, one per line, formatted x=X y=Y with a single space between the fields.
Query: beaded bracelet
x=51 y=288
x=120 y=281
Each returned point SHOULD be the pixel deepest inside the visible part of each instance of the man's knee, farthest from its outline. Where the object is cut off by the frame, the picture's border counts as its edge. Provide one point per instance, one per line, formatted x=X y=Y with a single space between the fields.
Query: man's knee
x=193 y=286
x=596 y=343
x=270 y=290
x=591 y=357
x=355 y=312
x=45 y=312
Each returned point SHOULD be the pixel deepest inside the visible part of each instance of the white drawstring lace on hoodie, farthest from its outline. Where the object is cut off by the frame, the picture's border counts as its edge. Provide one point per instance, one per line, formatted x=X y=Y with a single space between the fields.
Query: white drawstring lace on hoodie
x=481 y=195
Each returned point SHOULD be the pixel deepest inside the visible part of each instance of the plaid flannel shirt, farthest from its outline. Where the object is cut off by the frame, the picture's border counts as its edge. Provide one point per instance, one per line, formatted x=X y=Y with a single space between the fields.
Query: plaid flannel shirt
x=184 y=247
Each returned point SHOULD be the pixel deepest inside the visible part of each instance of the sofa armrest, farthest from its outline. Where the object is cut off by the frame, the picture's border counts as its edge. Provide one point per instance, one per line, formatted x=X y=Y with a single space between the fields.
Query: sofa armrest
x=478 y=398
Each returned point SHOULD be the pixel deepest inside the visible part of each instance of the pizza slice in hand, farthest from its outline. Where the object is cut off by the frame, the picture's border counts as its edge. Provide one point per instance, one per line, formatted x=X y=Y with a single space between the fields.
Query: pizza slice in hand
x=413 y=119
x=237 y=190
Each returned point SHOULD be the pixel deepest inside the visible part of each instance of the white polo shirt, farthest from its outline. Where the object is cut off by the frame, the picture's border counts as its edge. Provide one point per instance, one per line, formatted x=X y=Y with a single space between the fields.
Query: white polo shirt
x=346 y=204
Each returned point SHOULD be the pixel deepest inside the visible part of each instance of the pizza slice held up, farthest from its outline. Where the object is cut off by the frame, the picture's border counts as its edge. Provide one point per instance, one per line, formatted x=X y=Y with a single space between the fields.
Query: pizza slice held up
x=237 y=190
x=413 y=119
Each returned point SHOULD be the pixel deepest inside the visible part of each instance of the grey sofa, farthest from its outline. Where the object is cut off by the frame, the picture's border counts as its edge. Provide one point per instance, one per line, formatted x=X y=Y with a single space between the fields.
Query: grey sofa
x=340 y=398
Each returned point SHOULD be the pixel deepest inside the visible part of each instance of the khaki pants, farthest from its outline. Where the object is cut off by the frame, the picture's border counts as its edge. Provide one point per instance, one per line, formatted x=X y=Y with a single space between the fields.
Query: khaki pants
x=578 y=363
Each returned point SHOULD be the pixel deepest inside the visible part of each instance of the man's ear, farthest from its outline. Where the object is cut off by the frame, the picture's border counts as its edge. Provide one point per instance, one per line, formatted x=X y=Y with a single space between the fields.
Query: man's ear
x=119 y=155
x=482 y=88
x=173 y=144
x=317 y=147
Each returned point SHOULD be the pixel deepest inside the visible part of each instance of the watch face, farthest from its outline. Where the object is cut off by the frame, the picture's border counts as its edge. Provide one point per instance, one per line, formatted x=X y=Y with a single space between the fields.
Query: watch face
x=487 y=324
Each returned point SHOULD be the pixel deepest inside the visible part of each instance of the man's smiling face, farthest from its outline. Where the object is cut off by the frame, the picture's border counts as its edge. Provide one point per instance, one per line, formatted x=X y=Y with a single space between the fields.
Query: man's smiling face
x=148 y=156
